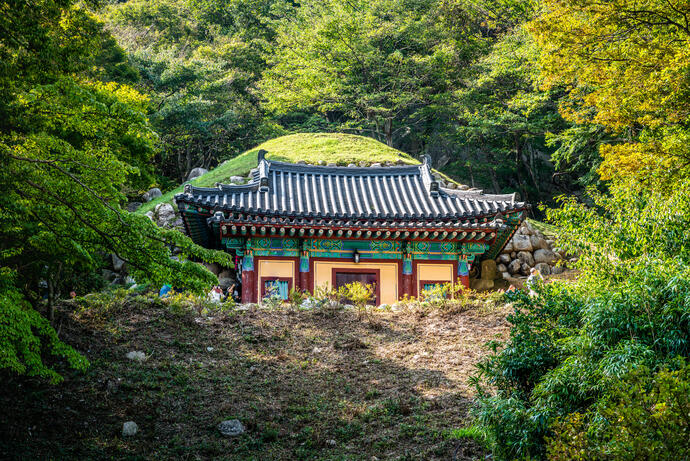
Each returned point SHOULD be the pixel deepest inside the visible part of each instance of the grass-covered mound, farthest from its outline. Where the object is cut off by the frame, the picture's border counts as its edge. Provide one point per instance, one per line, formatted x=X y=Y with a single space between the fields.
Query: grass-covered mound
x=313 y=148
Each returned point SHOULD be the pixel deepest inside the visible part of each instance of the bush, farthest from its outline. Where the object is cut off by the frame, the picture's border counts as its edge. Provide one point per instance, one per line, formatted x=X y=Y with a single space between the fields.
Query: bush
x=359 y=294
x=26 y=337
x=646 y=417
x=573 y=347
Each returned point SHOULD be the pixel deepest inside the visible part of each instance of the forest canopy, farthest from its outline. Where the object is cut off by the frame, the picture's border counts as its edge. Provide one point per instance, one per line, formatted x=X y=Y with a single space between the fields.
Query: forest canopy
x=580 y=106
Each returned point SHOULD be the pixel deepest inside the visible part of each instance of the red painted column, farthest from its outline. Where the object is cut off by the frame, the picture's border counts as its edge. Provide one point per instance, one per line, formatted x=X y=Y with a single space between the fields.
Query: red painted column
x=248 y=278
x=304 y=281
x=408 y=285
x=248 y=286
x=464 y=271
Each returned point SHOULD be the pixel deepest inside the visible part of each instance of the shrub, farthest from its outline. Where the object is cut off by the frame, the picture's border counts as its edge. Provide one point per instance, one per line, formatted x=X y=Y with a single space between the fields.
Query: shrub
x=26 y=337
x=573 y=347
x=359 y=294
x=646 y=417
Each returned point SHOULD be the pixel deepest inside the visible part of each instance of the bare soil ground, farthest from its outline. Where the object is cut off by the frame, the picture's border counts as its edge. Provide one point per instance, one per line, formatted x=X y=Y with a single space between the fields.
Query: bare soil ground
x=306 y=384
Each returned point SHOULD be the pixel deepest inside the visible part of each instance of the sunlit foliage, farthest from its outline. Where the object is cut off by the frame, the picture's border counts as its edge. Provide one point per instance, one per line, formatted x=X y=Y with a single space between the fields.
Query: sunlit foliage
x=626 y=65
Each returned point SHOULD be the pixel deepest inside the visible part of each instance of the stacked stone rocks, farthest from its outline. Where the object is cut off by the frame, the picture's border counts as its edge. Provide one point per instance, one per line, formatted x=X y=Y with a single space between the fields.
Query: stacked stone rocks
x=226 y=277
x=527 y=249
x=164 y=215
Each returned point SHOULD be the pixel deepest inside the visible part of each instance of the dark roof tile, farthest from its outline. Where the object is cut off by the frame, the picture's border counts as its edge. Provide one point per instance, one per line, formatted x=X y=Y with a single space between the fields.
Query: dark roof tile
x=376 y=193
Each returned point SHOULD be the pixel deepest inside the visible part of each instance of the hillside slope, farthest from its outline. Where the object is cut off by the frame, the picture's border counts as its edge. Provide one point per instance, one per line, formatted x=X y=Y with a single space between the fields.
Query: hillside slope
x=306 y=384
x=313 y=148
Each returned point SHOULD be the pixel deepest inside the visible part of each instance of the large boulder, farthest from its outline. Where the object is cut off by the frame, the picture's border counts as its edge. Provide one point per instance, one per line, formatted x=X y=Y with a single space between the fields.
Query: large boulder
x=538 y=242
x=196 y=172
x=482 y=284
x=489 y=269
x=152 y=193
x=525 y=268
x=164 y=215
x=236 y=180
x=545 y=256
x=225 y=274
x=504 y=259
x=133 y=206
x=543 y=268
x=522 y=243
x=514 y=266
x=502 y=268
x=109 y=275
x=118 y=263
x=213 y=267
x=226 y=282
x=525 y=257
x=508 y=248
x=555 y=270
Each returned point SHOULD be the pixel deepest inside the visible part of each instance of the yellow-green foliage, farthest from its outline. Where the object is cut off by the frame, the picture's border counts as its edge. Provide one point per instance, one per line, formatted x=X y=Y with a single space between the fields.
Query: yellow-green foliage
x=647 y=417
x=357 y=293
x=626 y=65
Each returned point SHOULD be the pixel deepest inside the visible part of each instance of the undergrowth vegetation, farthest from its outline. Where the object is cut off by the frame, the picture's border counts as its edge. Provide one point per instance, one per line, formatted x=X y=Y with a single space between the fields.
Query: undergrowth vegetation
x=595 y=369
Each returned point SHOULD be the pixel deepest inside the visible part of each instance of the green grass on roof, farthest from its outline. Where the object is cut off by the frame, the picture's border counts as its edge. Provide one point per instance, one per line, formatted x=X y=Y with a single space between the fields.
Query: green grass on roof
x=313 y=148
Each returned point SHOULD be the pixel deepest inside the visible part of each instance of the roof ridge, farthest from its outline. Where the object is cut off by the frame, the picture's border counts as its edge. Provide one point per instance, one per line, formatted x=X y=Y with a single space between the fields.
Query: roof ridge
x=370 y=170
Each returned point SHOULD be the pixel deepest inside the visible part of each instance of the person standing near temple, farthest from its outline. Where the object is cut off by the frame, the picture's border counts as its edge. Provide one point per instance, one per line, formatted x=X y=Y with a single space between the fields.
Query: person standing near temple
x=534 y=279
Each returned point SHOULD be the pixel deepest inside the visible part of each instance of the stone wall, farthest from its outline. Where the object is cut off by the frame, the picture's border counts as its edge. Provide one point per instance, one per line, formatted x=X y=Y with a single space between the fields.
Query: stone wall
x=527 y=249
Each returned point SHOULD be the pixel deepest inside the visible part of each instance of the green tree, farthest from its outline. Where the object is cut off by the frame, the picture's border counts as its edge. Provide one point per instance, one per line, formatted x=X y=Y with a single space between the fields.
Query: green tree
x=625 y=65
x=198 y=61
x=384 y=67
x=572 y=347
x=70 y=143
x=504 y=121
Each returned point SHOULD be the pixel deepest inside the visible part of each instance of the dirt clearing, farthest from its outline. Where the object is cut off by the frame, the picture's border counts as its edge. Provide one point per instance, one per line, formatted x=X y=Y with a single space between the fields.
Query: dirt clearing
x=305 y=384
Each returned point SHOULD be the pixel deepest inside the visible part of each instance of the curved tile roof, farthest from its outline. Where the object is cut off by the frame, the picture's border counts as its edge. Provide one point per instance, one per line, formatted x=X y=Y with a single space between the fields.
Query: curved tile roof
x=396 y=192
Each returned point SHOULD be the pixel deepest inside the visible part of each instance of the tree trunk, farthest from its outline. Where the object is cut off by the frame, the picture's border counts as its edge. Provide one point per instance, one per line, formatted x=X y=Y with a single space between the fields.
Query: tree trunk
x=53 y=279
x=518 y=164
x=388 y=129
x=529 y=165
x=51 y=301
x=494 y=181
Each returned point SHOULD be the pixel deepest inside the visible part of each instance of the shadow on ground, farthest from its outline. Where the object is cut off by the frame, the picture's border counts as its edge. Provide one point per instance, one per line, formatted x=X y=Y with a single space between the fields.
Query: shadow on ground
x=307 y=385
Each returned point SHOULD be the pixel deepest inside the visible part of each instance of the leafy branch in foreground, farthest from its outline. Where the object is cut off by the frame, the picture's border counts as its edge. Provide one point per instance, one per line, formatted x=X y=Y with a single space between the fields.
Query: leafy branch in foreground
x=71 y=141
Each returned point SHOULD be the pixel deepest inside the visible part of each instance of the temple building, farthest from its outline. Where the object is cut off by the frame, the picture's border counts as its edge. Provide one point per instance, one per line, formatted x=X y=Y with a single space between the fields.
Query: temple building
x=297 y=226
